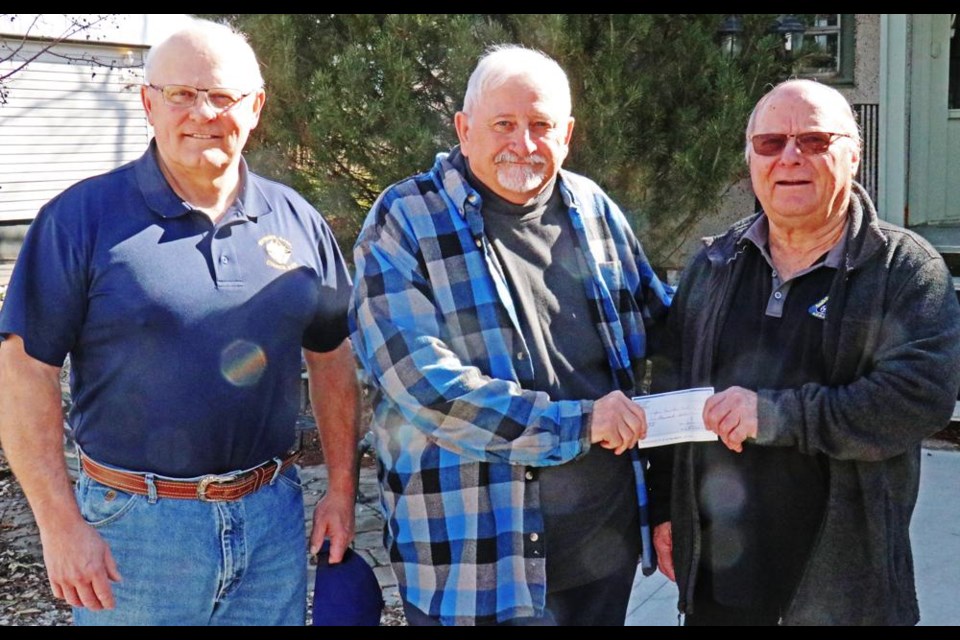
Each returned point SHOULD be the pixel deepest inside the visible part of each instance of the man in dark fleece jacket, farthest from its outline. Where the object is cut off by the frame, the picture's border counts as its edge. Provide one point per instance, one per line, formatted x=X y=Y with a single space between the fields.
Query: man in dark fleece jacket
x=832 y=340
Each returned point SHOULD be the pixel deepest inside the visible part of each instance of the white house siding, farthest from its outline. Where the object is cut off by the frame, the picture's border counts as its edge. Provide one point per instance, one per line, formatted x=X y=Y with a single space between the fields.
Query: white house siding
x=72 y=113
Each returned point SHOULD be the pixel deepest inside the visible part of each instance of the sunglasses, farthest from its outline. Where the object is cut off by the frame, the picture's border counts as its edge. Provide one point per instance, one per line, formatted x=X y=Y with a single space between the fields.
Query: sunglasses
x=812 y=143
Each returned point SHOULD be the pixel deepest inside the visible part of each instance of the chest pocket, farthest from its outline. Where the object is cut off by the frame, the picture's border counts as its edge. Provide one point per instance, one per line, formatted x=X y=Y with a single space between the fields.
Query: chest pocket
x=612 y=274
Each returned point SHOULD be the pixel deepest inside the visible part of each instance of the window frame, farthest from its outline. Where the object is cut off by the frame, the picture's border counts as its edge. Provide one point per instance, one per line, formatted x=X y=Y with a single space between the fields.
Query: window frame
x=846 y=54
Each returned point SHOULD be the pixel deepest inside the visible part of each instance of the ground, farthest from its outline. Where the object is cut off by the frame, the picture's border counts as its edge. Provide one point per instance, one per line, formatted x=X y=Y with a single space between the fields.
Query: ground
x=950 y=435
x=25 y=597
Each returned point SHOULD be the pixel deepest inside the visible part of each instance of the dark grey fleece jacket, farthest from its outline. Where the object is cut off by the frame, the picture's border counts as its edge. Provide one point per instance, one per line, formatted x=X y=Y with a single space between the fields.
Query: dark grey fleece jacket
x=892 y=336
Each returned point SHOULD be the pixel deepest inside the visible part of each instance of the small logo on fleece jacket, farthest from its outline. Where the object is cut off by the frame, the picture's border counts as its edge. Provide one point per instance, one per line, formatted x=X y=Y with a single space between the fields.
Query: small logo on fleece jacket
x=819 y=309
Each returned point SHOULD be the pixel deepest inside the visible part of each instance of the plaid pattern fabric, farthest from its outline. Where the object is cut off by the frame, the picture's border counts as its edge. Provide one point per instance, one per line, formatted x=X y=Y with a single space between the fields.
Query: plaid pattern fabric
x=434 y=326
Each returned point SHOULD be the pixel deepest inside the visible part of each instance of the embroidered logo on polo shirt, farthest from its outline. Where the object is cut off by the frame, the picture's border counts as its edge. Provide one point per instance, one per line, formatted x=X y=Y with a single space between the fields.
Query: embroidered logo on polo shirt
x=279 y=252
x=819 y=309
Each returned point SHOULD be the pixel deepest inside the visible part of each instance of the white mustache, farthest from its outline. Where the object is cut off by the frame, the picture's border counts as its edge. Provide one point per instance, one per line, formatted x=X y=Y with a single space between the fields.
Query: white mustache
x=507 y=156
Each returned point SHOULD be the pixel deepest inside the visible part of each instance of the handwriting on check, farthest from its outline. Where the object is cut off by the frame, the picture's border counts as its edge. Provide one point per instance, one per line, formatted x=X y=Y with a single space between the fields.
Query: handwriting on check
x=675 y=417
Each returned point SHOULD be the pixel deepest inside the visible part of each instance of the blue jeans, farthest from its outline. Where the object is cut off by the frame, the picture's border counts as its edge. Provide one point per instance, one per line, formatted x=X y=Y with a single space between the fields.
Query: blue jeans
x=187 y=562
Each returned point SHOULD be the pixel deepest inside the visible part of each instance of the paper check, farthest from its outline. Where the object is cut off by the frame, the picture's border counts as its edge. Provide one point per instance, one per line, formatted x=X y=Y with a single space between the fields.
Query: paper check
x=675 y=417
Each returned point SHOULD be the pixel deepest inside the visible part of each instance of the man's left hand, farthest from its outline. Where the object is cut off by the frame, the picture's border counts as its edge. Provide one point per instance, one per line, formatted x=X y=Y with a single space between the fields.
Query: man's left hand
x=333 y=518
x=732 y=415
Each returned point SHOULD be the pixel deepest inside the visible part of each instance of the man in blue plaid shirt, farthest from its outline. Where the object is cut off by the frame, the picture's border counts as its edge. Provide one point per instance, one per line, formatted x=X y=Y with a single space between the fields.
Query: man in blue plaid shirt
x=502 y=309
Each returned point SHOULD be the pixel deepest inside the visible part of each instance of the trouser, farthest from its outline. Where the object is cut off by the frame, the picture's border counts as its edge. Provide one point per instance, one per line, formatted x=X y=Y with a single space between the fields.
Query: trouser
x=189 y=562
x=707 y=612
x=597 y=604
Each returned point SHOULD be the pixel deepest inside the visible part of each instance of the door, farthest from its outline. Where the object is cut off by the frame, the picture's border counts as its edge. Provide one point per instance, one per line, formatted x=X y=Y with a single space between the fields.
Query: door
x=933 y=192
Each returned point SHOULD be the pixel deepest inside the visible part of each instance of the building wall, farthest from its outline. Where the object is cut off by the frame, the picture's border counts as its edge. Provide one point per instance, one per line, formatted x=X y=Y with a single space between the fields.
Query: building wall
x=73 y=112
x=737 y=203
x=137 y=29
x=866 y=75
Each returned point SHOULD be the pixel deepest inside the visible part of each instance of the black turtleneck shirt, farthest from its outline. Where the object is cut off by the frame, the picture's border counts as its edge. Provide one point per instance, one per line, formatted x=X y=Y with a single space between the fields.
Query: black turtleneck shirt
x=589 y=505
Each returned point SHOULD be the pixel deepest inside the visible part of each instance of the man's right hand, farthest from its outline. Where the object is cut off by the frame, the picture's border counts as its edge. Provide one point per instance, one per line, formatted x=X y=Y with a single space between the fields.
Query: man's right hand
x=80 y=567
x=79 y=563
x=618 y=422
x=663 y=545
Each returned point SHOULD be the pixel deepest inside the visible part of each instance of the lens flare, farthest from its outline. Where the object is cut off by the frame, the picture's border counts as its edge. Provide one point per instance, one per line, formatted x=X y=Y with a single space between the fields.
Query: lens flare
x=242 y=363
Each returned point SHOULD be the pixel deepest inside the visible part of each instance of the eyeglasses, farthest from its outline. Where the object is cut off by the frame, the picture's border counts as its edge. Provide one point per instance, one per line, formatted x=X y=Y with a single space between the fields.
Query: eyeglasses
x=812 y=143
x=181 y=95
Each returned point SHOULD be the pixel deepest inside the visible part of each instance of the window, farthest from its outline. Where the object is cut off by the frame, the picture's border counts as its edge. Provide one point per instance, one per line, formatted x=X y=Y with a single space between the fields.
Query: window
x=825 y=50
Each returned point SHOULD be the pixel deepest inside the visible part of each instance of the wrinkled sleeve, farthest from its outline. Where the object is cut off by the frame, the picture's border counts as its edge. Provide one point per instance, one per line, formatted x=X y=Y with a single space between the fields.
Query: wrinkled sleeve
x=398 y=330
x=329 y=326
x=46 y=300
x=908 y=384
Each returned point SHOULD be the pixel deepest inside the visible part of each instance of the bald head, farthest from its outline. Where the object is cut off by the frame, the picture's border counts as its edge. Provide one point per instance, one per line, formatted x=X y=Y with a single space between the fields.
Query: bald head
x=502 y=63
x=804 y=176
x=824 y=101
x=203 y=96
x=210 y=42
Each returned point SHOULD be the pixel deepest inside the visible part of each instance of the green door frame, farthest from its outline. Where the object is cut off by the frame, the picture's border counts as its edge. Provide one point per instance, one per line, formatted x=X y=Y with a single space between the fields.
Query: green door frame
x=894 y=106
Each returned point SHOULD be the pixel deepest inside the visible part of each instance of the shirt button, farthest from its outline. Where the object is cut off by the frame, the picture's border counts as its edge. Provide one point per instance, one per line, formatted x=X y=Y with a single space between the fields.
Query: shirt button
x=534 y=537
x=778 y=295
x=472 y=198
x=528 y=475
x=224 y=259
x=520 y=356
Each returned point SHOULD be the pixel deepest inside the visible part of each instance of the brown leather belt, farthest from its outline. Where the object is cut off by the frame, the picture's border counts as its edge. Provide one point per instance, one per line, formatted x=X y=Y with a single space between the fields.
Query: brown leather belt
x=212 y=488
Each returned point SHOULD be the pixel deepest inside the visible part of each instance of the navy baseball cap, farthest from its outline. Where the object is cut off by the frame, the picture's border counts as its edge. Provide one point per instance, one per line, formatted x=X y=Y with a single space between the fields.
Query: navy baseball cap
x=346 y=594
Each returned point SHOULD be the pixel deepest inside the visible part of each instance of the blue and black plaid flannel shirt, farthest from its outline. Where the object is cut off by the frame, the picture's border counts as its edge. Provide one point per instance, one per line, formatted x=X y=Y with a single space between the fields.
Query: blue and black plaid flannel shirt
x=435 y=328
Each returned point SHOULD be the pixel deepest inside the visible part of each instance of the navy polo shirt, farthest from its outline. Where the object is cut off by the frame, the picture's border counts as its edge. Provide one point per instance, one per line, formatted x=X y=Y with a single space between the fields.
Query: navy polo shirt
x=184 y=336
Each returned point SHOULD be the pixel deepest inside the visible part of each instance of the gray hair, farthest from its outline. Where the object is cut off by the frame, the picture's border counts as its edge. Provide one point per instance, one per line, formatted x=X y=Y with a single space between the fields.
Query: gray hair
x=223 y=36
x=846 y=111
x=502 y=62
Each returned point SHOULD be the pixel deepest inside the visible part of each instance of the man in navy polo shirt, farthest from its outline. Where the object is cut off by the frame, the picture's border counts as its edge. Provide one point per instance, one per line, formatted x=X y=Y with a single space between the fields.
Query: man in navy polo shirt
x=183 y=288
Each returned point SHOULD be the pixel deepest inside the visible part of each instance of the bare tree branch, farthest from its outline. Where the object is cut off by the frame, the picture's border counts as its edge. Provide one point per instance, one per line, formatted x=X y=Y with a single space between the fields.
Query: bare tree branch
x=75 y=24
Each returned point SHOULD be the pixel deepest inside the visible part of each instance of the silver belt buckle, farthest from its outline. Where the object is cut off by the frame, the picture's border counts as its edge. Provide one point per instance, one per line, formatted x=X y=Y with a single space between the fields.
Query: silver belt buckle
x=206 y=481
